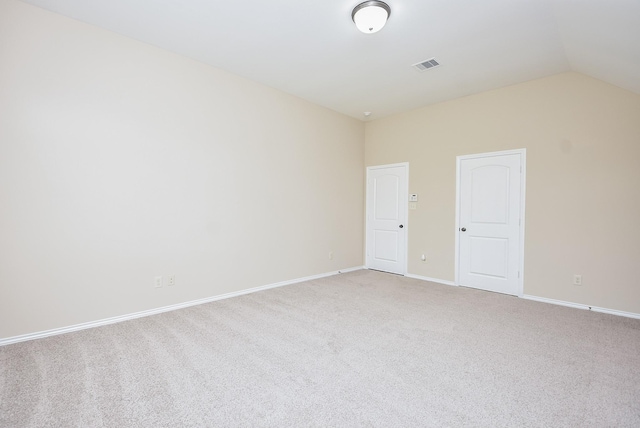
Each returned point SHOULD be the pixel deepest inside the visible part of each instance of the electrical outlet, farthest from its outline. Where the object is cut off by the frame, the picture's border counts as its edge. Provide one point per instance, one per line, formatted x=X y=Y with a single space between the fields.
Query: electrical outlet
x=158 y=281
x=330 y=255
x=171 y=280
x=577 y=279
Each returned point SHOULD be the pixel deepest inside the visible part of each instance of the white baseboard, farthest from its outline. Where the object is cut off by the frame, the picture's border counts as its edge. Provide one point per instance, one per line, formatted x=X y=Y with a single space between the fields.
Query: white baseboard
x=426 y=278
x=352 y=269
x=581 y=306
x=127 y=317
x=544 y=300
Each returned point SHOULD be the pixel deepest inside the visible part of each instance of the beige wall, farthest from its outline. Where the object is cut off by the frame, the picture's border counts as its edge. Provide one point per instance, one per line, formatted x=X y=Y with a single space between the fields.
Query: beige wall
x=583 y=172
x=120 y=161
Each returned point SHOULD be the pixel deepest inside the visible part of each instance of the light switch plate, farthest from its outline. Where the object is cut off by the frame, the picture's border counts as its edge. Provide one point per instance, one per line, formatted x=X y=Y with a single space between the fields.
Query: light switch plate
x=413 y=197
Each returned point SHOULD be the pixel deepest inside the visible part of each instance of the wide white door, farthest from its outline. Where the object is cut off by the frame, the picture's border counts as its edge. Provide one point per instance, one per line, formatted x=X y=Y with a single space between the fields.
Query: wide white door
x=387 y=218
x=490 y=212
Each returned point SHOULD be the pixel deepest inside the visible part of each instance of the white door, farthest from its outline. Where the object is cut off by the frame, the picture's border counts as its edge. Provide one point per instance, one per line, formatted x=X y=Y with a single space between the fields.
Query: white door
x=387 y=201
x=490 y=222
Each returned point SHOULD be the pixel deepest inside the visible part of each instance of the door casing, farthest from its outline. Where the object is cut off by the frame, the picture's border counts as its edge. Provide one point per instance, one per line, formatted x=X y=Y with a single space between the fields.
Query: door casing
x=404 y=199
x=523 y=165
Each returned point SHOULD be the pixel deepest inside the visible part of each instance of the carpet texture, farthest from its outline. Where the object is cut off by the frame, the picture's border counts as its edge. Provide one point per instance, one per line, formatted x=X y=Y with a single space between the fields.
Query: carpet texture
x=362 y=349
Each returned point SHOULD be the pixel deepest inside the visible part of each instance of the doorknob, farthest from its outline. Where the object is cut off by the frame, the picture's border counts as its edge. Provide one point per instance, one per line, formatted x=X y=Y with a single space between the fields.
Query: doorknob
x=464 y=229
x=401 y=226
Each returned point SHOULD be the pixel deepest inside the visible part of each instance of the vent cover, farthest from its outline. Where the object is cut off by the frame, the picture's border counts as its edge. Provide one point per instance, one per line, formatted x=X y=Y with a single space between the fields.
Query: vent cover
x=425 y=65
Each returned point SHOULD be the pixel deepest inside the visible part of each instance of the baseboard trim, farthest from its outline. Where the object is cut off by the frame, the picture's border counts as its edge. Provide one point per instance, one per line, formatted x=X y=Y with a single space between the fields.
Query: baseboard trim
x=426 y=278
x=352 y=269
x=581 y=306
x=149 y=312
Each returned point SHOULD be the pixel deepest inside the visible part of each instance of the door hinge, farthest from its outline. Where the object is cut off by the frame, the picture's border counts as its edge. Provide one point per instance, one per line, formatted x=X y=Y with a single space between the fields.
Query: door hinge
x=518 y=274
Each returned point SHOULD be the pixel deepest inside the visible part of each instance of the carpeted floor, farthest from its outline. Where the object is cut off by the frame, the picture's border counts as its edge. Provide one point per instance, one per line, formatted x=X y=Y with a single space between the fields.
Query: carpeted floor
x=362 y=349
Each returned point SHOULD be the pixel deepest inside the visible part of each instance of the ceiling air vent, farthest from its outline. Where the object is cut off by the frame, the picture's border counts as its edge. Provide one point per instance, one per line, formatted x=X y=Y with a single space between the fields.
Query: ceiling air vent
x=425 y=65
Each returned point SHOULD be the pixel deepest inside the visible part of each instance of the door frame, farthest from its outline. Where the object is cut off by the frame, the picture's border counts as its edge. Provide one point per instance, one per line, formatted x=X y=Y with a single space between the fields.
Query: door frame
x=523 y=178
x=405 y=200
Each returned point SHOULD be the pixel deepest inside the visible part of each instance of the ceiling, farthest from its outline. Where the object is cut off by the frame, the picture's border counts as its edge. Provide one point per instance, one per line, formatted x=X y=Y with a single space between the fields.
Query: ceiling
x=312 y=49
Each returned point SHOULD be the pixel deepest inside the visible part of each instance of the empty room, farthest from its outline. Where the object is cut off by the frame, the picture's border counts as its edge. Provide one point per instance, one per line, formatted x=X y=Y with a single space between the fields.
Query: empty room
x=411 y=213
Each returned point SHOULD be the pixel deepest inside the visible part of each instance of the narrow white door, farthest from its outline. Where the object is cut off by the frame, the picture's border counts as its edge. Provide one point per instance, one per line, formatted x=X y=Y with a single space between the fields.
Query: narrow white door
x=387 y=218
x=490 y=222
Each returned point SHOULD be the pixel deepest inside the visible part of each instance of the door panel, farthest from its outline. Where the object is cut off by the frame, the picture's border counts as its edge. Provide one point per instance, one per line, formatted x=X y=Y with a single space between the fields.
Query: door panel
x=386 y=218
x=386 y=194
x=386 y=245
x=490 y=194
x=489 y=256
x=489 y=220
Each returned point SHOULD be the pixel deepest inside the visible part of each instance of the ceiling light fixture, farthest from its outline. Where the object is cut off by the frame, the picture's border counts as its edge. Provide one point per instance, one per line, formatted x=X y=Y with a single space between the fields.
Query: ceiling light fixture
x=371 y=16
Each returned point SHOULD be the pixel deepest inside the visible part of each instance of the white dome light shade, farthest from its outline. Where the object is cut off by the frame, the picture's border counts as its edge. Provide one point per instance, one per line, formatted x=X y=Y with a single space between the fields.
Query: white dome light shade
x=371 y=16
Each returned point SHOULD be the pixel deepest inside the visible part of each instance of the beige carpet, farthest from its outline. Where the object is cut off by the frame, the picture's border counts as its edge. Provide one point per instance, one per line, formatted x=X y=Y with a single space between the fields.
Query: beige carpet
x=354 y=350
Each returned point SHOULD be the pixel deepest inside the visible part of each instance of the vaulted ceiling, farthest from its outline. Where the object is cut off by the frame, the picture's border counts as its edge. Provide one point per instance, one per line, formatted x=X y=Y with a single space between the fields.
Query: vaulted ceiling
x=311 y=48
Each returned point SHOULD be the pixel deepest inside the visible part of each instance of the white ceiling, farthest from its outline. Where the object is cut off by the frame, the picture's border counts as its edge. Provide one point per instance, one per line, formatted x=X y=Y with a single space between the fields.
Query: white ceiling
x=311 y=48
